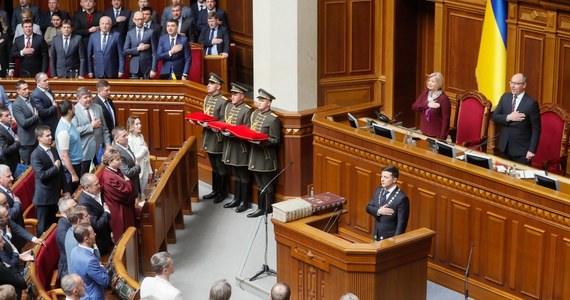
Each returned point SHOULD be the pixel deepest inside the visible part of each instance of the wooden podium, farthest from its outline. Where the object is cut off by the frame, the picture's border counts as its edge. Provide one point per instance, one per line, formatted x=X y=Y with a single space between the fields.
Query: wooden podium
x=321 y=265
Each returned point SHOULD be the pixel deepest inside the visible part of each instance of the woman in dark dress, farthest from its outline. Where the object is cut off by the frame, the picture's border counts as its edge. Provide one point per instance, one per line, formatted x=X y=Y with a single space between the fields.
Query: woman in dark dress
x=434 y=108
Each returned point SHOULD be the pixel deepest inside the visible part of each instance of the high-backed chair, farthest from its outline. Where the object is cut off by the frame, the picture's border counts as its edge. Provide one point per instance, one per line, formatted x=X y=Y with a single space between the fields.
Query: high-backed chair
x=553 y=143
x=197 y=68
x=42 y=273
x=472 y=120
x=24 y=189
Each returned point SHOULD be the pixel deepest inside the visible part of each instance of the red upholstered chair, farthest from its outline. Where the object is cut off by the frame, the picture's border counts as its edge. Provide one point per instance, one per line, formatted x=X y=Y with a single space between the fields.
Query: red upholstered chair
x=197 y=68
x=472 y=120
x=24 y=189
x=553 y=143
x=42 y=272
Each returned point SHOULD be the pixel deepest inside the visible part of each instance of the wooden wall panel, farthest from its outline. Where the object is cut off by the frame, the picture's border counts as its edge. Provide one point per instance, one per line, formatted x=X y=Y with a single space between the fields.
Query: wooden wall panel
x=362 y=182
x=562 y=95
x=334 y=40
x=362 y=50
x=240 y=17
x=459 y=233
x=562 y=288
x=531 y=261
x=347 y=94
x=462 y=40
x=173 y=138
x=494 y=247
x=532 y=55
x=333 y=167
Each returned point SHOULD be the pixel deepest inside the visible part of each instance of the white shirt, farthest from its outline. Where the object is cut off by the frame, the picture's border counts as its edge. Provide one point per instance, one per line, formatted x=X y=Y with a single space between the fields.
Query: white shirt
x=160 y=288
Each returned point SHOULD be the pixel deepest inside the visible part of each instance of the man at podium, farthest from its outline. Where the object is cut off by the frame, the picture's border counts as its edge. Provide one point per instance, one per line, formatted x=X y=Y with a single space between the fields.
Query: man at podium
x=389 y=206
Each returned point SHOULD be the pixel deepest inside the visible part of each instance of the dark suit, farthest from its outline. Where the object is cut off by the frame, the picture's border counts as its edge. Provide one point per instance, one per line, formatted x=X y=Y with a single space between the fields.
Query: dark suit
x=517 y=138
x=141 y=63
x=99 y=221
x=32 y=64
x=184 y=27
x=12 y=277
x=222 y=32
x=10 y=147
x=5 y=50
x=179 y=62
x=129 y=168
x=17 y=15
x=63 y=225
x=62 y=64
x=49 y=179
x=27 y=122
x=110 y=120
x=167 y=14
x=46 y=110
x=154 y=20
x=108 y=62
x=45 y=19
x=17 y=216
x=389 y=226
x=81 y=25
x=120 y=27
x=202 y=19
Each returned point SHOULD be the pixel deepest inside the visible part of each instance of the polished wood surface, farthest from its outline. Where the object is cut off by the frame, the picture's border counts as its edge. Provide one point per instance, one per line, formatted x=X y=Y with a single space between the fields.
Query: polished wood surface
x=168 y=200
x=124 y=262
x=320 y=264
x=521 y=231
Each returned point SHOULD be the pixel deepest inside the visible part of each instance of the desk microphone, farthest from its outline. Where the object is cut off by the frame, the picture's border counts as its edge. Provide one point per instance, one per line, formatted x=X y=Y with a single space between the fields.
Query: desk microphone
x=473 y=147
x=395 y=116
x=546 y=166
x=467 y=271
x=333 y=219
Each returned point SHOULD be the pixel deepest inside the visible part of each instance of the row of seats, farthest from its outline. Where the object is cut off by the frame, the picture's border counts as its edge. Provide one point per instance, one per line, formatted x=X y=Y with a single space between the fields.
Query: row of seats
x=474 y=113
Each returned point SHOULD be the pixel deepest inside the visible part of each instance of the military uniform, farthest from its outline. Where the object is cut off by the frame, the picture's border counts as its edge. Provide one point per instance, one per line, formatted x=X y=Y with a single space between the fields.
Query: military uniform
x=212 y=143
x=263 y=160
x=236 y=153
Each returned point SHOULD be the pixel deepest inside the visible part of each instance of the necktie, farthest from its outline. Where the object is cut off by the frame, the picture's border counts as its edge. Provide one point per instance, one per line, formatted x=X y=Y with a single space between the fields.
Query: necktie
x=383 y=197
x=28 y=43
x=131 y=153
x=117 y=13
x=88 y=115
x=89 y=19
x=514 y=103
x=201 y=7
x=104 y=42
x=179 y=24
x=48 y=151
x=110 y=109
x=209 y=51
x=139 y=35
x=12 y=134
x=171 y=43
x=65 y=45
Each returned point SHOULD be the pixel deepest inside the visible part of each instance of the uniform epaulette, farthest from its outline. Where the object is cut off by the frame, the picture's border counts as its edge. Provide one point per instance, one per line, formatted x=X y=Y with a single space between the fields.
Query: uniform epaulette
x=273 y=114
x=225 y=98
x=246 y=105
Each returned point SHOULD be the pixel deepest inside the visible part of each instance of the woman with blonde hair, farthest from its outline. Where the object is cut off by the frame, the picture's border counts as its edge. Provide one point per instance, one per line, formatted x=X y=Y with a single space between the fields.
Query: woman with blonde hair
x=434 y=108
x=139 y=147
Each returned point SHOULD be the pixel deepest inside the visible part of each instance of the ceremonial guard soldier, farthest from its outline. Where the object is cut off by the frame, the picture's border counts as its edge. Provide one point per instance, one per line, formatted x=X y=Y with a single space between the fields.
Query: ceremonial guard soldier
x=236 y=151
x=263 y=155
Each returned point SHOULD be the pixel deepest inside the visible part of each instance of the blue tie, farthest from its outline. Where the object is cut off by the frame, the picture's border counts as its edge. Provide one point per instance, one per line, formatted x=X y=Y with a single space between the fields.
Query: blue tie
x=209 y=51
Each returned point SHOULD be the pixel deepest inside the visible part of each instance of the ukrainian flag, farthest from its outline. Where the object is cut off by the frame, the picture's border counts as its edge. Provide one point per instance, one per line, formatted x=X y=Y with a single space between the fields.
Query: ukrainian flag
x=172 y=75
x=492 y=61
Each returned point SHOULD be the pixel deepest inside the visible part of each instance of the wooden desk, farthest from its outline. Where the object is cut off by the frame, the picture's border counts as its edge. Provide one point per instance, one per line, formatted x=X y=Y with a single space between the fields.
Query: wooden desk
x=322 y=265
x=521 y=231
x=170 y=198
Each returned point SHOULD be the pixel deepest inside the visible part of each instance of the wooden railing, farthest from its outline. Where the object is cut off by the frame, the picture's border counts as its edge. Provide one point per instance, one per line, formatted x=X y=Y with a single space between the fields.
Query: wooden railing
x=124 y=266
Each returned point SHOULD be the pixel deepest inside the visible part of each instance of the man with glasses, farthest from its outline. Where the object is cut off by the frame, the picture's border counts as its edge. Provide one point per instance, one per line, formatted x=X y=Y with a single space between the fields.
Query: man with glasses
x=520 y=116
x=141 y=44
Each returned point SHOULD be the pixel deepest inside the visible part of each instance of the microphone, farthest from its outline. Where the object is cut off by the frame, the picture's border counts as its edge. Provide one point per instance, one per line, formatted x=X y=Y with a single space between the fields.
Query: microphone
x=333 y=219
x=146 y=73
x=394 y=118
x=467 y=271
x=275 y=177
x=546 y=166
x=473 y=147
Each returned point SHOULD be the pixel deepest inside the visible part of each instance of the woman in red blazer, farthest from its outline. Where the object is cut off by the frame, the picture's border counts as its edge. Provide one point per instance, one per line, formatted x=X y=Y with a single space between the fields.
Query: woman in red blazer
x=434 y=108
x=118 y=194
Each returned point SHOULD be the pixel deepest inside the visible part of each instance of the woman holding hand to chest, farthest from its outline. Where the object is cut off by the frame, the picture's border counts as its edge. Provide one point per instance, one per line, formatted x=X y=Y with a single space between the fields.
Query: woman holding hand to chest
x=434 y=108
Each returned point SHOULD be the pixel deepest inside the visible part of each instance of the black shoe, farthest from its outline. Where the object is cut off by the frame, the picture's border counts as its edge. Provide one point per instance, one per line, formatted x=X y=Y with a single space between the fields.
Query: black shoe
x=256 y=214
x=235 y=203
x=243 y=207
x=211 y=195
x=219 y=198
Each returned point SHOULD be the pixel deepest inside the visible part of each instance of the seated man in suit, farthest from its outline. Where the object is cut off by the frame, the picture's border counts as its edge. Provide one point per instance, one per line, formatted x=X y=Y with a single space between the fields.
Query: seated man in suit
x=9 y=141
x=44 y=101
x=215 y=38
x=100 y=215
x=10 y=229
x=85 y=264
x=105 y=57
x=389 y=206
x=48 y=171
x=129 y=165
x=159 y=285
x=174 y=52
x=67 y=54
x=141 y=45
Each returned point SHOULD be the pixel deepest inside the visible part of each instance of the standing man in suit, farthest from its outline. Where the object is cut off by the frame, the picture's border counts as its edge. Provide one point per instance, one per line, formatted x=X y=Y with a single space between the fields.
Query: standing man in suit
x=91 y=126
x=86 y=21
x=216 y=38
x=27 y=119
x=389 y=206
x=149 y=23
x=44 y=102
x=211 y=6
x=141 y=44
x=174 y=52
x=105 y=57
x=167 y=12
x=103 y=100
x=129 y=165
x=263 y=160
x=15 y=209
x=45 y=18
x=92 y=199
x=48 y=171
x=5 y=59
x=153 y=15
x=9 y=141
x=120 y=16
x=86 y=265
x=520 y=116
x=32 y=50
x=184 y=23
x=67 y=58
x=213 y=142
x=17 y=13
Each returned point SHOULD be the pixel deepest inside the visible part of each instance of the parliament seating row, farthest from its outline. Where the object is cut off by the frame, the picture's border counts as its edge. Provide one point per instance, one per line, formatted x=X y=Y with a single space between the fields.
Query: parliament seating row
x=24 y=189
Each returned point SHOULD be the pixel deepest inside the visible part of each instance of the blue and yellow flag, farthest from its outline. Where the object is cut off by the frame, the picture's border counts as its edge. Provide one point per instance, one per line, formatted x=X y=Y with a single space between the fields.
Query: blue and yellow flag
x=172 y=75
x=492 y=61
